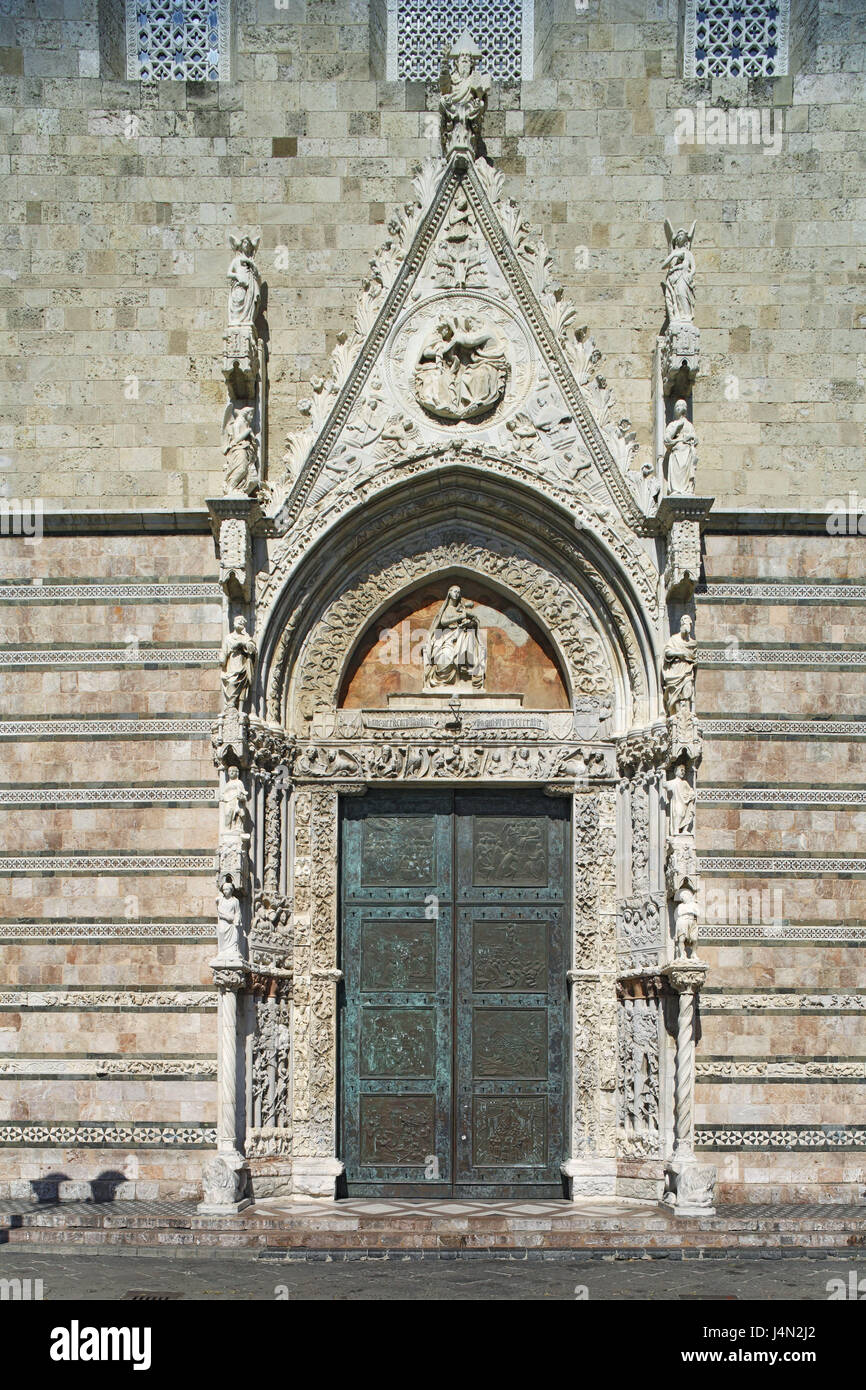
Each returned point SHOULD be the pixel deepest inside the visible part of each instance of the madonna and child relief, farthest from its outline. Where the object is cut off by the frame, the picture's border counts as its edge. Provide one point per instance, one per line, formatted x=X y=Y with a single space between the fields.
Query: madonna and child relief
x=467 y=639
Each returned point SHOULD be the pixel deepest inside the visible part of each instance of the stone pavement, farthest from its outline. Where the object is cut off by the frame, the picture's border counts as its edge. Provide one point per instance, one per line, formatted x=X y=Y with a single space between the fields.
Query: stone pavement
x=147 y=1275
x=352 y=1229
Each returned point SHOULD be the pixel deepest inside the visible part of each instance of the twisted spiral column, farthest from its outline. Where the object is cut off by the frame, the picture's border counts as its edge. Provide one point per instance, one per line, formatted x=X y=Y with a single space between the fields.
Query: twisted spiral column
x=685 y=1087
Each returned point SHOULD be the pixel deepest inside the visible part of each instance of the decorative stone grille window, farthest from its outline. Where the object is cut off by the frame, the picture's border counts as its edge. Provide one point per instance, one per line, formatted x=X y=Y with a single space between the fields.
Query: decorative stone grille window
x=420 y=33
x=177 y=40
x=736 y=38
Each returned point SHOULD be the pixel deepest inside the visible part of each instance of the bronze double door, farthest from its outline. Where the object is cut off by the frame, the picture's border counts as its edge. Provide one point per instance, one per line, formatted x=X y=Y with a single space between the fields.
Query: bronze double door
x=453 y=1005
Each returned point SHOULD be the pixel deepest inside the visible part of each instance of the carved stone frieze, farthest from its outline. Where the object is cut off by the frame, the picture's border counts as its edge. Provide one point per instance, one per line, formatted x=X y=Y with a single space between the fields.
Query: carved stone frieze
x=638 y=1084
x=639 y=934
x=451 y=761
x=643 y=750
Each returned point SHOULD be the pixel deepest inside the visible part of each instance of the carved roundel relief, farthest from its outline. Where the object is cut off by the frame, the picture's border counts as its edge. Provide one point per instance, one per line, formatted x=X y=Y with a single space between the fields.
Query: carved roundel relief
x=459 y=359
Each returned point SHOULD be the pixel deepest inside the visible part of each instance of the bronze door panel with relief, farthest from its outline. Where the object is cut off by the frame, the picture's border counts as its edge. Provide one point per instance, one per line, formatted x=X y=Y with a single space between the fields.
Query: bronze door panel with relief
x=453 y=1010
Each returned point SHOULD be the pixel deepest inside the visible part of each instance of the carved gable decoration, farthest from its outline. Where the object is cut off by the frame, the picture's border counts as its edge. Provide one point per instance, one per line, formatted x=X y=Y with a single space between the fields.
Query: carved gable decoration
x=462 y=342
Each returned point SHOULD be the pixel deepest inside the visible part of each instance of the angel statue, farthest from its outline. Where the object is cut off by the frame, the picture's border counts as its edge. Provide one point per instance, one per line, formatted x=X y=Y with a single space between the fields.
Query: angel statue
x=241 y=449
x=245 y=294
x=462 y=108
x=679 y=286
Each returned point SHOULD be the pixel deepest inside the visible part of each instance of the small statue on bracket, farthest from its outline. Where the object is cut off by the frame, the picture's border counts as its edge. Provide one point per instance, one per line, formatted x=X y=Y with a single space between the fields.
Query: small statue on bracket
x=462 y=108
x=681 y=452
x=679 y=285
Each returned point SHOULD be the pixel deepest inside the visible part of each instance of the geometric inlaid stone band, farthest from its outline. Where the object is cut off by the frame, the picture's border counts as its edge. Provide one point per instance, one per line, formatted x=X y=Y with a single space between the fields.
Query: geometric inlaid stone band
x=781 y=1001
x=79 y=1068
x=107 y=728
x=107 y=863
x=114 y=1134
x=778 y=933
x=723 y=864
x=107 y=931
x=792 y=1137
x=785 y=728
x=163 y=1000
x=141 y=655
x=776 y=1069
x=792 y=593
x=106 y=593
x=782 y=656
x=778 y=796
x=107 y=796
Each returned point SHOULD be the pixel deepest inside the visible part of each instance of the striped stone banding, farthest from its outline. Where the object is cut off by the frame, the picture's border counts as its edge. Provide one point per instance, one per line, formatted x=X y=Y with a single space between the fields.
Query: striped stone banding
x=787 y=1001
x=107 y=796
x=87 y=1000
x=769 y=725
x=112 y=1134
x=751 y=591
x=11 y=657
x=107 y=931
x=73 y=1067
x=789 y=1137
x=778 y=1070
x=781 y=796
x=730 y=864
x=105 y=728
x=107 y=863
x=833 y=657
x=778 y=934
x=162 y=592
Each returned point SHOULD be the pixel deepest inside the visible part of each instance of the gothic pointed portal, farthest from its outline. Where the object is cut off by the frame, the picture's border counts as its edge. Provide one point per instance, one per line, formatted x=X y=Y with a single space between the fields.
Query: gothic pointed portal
x=463 y=342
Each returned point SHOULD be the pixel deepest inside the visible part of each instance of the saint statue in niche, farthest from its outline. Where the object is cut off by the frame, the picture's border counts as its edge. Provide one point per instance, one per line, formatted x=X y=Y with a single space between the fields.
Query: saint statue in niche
x=241 y=449
x=229 y=923
x=453 y=652
x=462 y=108
x=682 y=798
x=461 y=371
x=245 y=293
x=237 y=663
x=678 y=669
x=681 y=445
x=679 y=286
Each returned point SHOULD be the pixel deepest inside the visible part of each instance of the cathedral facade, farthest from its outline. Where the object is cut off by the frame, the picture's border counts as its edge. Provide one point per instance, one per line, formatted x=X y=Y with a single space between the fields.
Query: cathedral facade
x=432 y=563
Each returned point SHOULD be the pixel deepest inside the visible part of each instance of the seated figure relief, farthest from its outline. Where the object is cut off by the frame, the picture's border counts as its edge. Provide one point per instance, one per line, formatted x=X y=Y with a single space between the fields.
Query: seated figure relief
x=454 y=653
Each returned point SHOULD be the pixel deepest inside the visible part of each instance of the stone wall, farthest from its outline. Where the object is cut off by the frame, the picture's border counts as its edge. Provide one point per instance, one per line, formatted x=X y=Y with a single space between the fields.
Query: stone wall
x=119 y=198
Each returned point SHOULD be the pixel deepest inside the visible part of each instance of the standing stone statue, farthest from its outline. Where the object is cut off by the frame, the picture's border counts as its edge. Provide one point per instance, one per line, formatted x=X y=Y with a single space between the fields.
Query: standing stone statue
x=681 y=456
x=453 y=650
x=686 y=925
x=679 y=286
x=241 y=450
x=229 y=923
x=462 y=108
x=234 y=803
x=682 y=798
x=679 y=661
x=237 y=663
x=245 y=294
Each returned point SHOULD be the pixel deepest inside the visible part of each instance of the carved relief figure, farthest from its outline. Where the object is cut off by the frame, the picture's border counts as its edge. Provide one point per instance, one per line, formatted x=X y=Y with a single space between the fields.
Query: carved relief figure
x=245 y=291
x=237 y=663
x=460 y=254
x=686 y=925
x=682 y=803
x=453 y=651
x=681 y=456
x=241 y=449
x=234 y=803
x=461 y=109
x=679 y=285
x=229 y=923
x=461 y=370
x=678 y=669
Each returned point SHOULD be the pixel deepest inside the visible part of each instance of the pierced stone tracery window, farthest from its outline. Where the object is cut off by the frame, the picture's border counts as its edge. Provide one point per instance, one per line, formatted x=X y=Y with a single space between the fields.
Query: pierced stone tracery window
x=420 y=32
x=736 y=38
x=177 y=40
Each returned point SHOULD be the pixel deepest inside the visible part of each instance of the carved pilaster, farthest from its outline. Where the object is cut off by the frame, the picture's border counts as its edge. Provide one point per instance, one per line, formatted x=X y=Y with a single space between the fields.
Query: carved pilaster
x=690 y=1185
